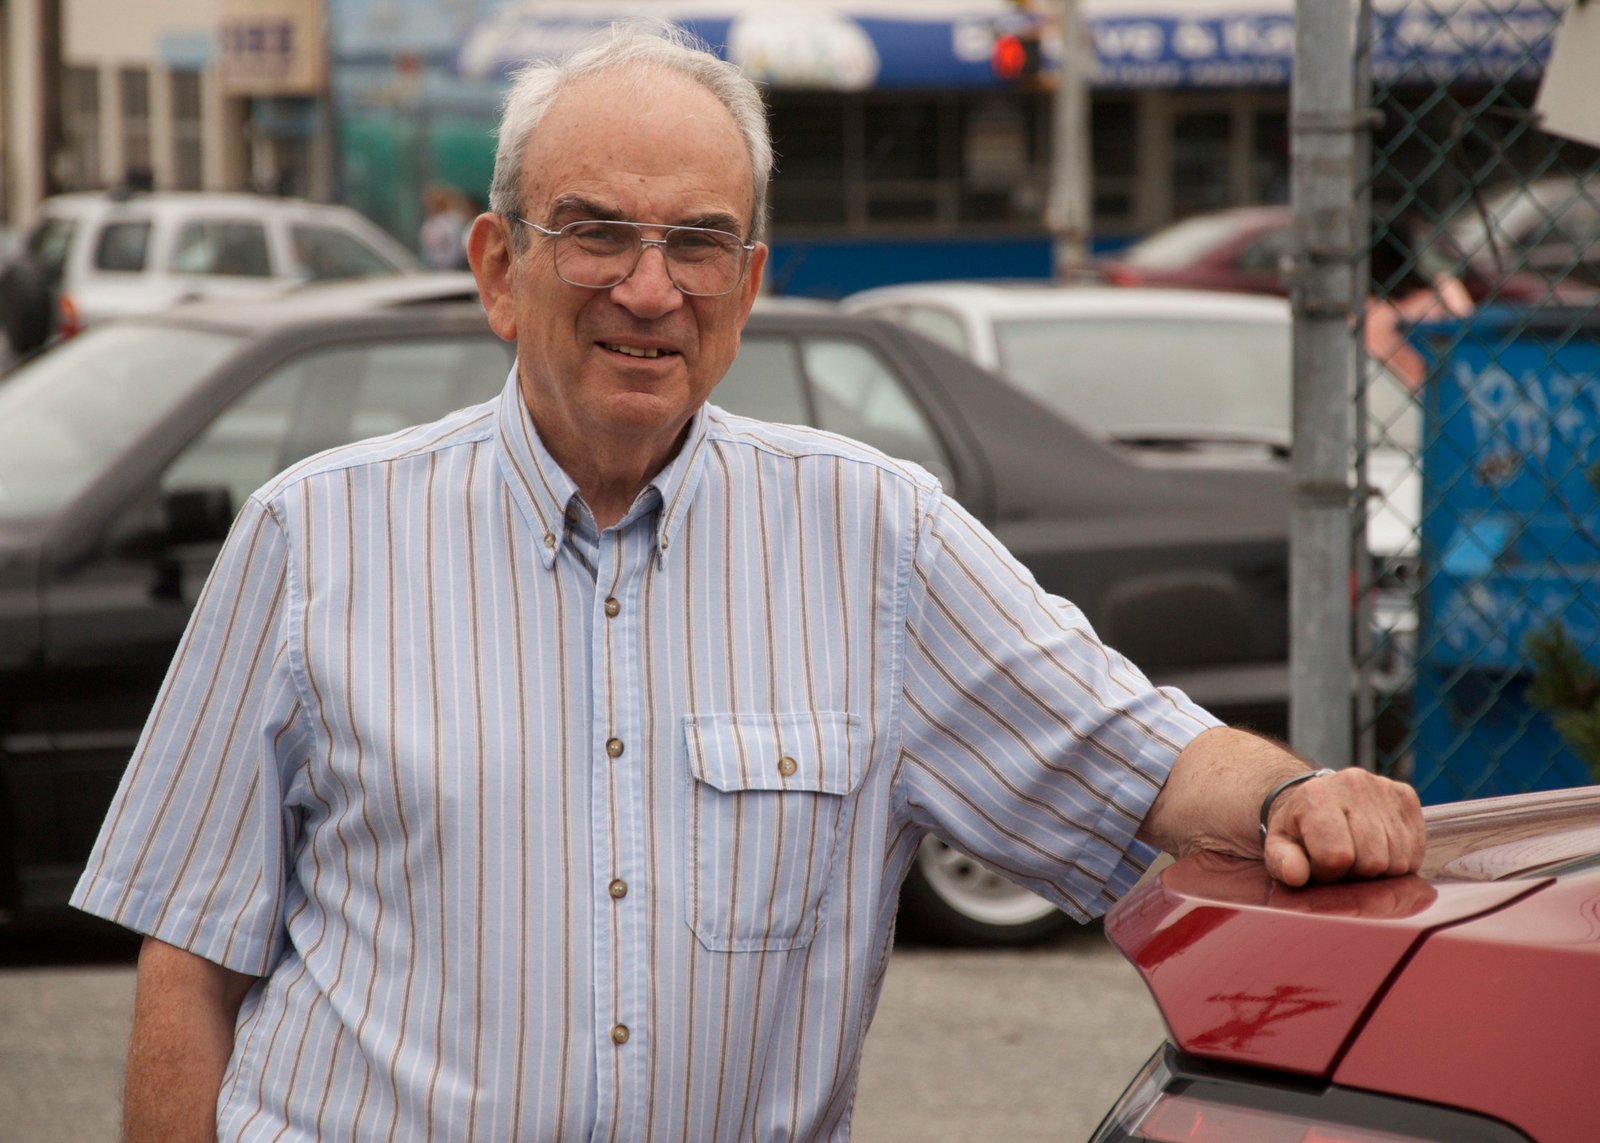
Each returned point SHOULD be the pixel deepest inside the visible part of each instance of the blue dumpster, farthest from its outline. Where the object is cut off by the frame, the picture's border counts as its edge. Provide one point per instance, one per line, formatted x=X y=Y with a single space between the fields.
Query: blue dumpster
x=1510 y=544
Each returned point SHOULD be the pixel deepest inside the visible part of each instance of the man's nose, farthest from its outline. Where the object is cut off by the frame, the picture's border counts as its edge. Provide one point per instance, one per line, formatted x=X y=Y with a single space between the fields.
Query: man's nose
x=648 y=291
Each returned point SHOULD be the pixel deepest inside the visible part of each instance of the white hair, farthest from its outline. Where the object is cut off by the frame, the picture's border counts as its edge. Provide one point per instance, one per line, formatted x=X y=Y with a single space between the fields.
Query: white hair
x=626 y=44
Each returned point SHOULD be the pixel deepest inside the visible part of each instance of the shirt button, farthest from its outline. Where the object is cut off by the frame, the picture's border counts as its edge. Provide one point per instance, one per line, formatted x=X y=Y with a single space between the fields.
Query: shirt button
x=618 y=889
x=614 y=747
x=549 y=539
x=619 y=1034
x=787 y=766
x=612 y=608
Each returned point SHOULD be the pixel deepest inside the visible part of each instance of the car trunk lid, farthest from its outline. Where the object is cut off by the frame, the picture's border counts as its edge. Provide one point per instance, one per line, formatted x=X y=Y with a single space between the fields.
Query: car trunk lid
x=1252 y=972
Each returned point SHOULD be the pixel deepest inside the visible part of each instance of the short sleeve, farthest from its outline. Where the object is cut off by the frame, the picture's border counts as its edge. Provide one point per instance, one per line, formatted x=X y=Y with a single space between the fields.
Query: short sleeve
x=1028 y=742
x=194 y=850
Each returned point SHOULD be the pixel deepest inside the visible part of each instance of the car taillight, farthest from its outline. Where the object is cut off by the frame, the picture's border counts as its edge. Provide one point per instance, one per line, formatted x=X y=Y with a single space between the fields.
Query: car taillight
x=68 y=320
x=1184 y=1119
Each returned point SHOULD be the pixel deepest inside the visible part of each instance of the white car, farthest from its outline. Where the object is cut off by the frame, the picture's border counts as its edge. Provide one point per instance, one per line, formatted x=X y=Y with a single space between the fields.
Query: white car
x=112 y=254
x=1172 y=375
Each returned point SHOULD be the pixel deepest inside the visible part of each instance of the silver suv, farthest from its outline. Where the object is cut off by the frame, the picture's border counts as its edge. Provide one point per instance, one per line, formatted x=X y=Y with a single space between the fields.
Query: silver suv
x=113 y=254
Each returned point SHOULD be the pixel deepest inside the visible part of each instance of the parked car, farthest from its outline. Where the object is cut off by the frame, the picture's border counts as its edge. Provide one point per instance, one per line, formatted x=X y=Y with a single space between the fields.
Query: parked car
x=1179 y=377
x=1547 y=230
x=124 y=452
x=1188 y=379
x=1454 y=1006
x=1243 y=249
x=1546 y=245
x=105 y=255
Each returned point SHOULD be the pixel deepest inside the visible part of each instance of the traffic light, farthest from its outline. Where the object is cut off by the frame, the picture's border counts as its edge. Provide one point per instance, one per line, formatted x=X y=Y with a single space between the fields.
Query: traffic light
x=1015 y=56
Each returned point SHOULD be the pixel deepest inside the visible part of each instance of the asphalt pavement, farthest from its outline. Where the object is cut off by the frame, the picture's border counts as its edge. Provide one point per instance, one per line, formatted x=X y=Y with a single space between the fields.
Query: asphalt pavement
x=1023 y=1046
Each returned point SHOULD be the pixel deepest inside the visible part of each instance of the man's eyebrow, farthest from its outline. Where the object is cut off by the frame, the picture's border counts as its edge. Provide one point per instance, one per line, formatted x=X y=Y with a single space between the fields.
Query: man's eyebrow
x=715 y=221
x=573 y=208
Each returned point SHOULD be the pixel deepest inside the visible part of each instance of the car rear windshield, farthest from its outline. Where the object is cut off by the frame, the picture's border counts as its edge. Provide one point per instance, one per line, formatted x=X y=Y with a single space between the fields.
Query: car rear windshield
x=1131 y=377
x=67 y=416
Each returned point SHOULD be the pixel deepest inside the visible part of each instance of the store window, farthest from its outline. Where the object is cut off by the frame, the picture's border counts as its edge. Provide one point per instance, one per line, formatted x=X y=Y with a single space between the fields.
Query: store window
x=1114 y=143
x=1270 y=149
x=931 y=162
x=1202 y=175
x=82 y=168
x=187 y=157
x=133 y=92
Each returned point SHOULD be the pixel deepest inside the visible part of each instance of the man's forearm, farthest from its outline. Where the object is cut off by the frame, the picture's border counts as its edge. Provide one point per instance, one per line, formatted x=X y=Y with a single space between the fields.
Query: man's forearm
x=183 y=1016
x=1352 y=823
x=1211 y=799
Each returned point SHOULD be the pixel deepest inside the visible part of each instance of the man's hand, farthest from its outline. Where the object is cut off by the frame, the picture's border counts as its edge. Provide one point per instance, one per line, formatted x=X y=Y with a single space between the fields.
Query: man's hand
x=1348 y=824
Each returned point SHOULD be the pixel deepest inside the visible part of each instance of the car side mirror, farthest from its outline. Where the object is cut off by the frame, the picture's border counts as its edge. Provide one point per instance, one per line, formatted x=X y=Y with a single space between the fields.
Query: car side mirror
x=196 y=515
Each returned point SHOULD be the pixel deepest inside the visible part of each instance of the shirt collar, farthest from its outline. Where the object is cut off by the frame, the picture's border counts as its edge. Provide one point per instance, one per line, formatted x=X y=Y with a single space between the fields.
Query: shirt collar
x=544 y=492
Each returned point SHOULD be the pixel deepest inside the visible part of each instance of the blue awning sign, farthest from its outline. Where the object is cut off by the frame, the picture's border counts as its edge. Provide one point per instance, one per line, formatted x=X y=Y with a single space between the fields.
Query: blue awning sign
x=831 y=46
x=854 y=45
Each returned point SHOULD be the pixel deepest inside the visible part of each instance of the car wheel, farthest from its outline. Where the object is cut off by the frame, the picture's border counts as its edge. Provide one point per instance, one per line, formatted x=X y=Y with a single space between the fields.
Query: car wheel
x=950 y=898
x=26 y=311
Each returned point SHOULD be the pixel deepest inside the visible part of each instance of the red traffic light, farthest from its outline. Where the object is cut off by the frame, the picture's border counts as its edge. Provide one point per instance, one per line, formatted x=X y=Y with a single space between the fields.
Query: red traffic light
x=1015 y=55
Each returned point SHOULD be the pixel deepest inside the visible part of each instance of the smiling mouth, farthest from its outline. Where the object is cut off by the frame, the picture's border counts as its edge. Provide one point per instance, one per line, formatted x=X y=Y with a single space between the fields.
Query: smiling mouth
x=634 y=350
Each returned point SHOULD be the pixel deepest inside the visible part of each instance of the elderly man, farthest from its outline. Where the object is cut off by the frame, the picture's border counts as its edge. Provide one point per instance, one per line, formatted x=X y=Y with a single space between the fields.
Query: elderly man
x=549 y=772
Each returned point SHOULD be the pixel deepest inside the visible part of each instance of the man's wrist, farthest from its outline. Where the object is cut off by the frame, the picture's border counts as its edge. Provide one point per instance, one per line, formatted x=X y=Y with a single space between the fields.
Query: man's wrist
x=1280 y=788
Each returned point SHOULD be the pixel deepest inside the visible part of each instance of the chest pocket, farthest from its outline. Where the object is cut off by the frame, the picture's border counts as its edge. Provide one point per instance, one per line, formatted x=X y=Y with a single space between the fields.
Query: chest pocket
x=769 y=803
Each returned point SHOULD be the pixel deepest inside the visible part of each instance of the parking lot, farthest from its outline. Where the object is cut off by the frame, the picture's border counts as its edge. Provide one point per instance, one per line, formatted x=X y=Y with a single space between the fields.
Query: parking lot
x=1022 y=1046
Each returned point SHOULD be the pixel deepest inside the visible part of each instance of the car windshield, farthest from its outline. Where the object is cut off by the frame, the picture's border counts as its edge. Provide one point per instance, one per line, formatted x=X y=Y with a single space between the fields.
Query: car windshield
x=67 y=416
x=47 y=247
x=1125 y=378
x=1180 y=243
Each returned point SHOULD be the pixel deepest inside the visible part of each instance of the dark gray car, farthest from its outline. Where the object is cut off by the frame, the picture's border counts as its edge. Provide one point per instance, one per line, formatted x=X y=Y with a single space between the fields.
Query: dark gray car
x=125 y=451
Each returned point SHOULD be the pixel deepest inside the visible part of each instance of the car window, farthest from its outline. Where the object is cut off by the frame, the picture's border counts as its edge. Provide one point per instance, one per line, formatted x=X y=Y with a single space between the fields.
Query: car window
x=48 y=243
x=123 y=246
x=1266 y=253
x=326 y=253
x=331 y=396
x=68 y=415
x=230 y=248
x=765 y=382
x=1123 y=377
x=940 y=325
x=852 y=391
x=859 y=395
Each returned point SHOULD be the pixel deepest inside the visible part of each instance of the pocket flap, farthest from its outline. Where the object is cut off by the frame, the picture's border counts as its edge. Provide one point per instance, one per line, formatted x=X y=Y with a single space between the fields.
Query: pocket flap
x=810 y=752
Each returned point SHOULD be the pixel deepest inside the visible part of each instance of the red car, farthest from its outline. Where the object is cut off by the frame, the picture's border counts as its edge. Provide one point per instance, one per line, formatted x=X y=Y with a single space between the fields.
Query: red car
x=1245 y=249
x=1455 y=1006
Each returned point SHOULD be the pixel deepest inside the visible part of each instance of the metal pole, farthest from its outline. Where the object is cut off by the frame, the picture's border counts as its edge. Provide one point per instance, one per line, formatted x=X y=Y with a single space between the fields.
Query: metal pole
x=1070 y=154
x=1325 y=132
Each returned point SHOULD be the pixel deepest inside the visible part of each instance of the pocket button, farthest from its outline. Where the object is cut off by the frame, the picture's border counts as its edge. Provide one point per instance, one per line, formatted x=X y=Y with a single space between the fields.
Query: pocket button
x=787 y=766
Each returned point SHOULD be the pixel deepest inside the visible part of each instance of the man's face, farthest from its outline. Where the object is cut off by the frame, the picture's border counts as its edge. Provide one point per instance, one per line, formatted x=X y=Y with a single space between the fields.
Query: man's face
x=626 y=367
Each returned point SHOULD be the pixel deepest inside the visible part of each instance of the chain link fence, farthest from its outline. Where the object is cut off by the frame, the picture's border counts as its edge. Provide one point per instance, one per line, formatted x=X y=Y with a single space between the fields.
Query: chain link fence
x=1477 y=514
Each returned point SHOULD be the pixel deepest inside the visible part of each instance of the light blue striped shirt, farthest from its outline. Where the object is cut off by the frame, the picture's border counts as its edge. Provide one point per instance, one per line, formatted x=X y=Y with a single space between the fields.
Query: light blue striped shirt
x=543 y=834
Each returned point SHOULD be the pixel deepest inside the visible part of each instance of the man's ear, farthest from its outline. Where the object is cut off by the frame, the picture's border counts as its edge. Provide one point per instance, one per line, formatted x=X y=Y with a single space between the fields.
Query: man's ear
x=752 y=280
x=493 y=263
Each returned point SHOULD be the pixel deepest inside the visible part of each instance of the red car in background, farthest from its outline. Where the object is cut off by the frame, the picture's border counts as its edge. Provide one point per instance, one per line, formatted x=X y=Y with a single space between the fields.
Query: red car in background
x=1241 y=249
x=1245 y=249
x=1455 y=1006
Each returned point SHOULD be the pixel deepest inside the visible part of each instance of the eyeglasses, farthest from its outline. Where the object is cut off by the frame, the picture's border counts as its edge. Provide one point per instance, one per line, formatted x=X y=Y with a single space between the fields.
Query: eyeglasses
x=598 y=254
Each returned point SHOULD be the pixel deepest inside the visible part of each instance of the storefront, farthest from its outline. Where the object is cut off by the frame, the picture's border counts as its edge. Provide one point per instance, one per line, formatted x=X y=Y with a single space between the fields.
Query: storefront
x=914 y=136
